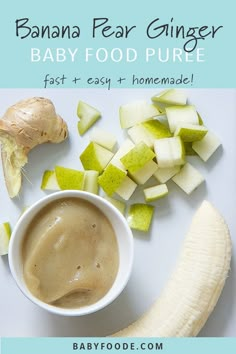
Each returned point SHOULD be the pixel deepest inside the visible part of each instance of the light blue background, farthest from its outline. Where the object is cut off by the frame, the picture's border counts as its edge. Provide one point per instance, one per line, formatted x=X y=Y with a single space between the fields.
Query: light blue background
x=18 y=72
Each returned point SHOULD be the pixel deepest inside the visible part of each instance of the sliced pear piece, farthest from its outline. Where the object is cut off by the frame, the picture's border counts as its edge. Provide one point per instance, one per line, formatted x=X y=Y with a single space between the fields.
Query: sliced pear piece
x=5 y=234
x=88 y=115
x=155 y=192
x=145 y=173
x=91 y=181
x=125 y=147
x=206 y=147
x=126 y=189
x=140 y=216
x=117 y=203
x=95 y=157
x=136 y=112
x=68 y=178
x=190 y=132
x=103 y=138
x=171 y=97
x=49 y=181
x=181 y=115
x=169 y=152
x=137 y=158
x=165 y=174
x=111 y=179
x=188 y=179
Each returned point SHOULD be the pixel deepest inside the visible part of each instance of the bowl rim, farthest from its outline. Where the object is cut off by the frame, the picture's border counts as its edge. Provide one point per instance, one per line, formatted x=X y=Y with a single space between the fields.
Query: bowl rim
x=29 y=214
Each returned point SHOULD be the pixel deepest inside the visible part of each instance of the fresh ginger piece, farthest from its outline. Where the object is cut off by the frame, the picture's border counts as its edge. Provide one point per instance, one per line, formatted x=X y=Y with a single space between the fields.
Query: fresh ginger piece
x=25 y=125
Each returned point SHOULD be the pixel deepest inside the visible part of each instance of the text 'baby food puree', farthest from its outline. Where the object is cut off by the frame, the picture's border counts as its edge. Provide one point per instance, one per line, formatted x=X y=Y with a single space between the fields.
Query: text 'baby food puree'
x=70 y=254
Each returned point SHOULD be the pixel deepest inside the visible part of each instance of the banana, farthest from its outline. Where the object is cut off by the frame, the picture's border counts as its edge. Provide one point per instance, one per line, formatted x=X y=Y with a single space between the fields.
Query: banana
x=196 y=284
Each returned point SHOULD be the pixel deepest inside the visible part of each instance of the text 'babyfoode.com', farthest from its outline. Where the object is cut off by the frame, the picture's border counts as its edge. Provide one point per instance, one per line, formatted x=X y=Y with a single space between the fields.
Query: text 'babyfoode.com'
x=117 y=346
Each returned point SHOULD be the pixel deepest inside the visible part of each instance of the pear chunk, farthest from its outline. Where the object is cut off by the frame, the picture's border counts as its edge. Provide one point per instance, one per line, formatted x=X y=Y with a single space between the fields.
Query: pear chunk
x=206 y=147
x=155 y=192
x=188 y=179
x=190 y=132
x=49 y=181
x=88 y=115
x=169 y=152
x=111 y=179
x=5 y=234
x=140 y=216
x=126 y=189
x=68 y=178
x=136 y=112
x=91 y=181
x=171 y=97
x=136 y=158
x=181 y=115
x=95 y=157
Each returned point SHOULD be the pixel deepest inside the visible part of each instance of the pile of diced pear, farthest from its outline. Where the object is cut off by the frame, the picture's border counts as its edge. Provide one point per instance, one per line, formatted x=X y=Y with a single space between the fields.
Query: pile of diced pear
x=159 y=137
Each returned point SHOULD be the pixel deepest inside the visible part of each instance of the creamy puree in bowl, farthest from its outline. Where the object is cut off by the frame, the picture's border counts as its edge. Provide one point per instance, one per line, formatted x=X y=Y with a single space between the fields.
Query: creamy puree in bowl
x=70 y=254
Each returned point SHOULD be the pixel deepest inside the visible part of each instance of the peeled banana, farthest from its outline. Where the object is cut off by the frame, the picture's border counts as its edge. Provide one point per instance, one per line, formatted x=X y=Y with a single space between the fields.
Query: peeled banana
x=196 y=284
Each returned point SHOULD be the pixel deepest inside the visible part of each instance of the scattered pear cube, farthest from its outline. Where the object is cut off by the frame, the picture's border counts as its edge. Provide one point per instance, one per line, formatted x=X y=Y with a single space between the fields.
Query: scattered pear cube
x=91 y=181
x=171 y=97
x=155 y=192
x=165 y=174
x=136 y=112
x=190 y=132
x=140 y=216
x=68 y=178
x=188 y=179
x=169 y=152
x=145 y=173
x=117 y=203
x=103 y=138
x=5 y=234
x=111 y=179
x=126 y=189
x=49 y=181
x=181 y=115
x=88 y=115
x=137 y=158
x=206 y=147
x=95 y=157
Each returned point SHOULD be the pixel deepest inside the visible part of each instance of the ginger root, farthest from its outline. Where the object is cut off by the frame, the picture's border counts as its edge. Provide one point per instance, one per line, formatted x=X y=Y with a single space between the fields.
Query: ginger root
x=25 y=125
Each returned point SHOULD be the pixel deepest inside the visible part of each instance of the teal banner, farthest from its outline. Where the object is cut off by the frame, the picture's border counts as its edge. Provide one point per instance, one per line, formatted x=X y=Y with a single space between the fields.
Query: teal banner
x=118 y=345
x=91 y=44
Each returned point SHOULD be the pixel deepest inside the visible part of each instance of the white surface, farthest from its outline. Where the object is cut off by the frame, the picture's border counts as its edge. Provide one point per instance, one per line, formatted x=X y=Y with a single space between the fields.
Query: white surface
x=156 y=252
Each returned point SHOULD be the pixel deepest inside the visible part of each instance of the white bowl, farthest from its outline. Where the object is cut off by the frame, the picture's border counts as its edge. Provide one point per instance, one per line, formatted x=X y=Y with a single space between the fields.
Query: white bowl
x=125 y=245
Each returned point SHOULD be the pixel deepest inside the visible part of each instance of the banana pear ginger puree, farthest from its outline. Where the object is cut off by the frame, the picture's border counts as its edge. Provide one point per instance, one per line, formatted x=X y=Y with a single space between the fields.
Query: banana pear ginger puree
x=70 y=254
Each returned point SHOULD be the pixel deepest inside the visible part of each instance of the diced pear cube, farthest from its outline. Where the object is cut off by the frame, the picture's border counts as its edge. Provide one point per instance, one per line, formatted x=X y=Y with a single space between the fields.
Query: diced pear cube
x=126 y=189
x=68 y=178
x=171 y=97
x=136 y=112
x=117 y=203
x=5 y=234
x=95 y=157
x=190 y=132
x=181 y=115
x=91 y=181
x=155 y=192
x=169 y=152
x=188 y=179
x=137 y=158
x=165 y=174
x=103 y=138
x=145 y=173
x=111 y=179
x=49 y=181
x=206 y=147
x=140 y=216
x=126 y=146
x=88 y=115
